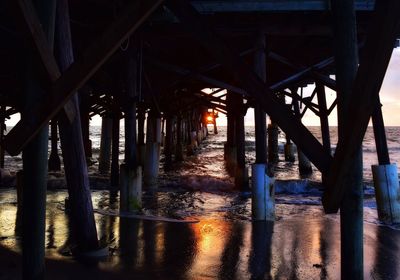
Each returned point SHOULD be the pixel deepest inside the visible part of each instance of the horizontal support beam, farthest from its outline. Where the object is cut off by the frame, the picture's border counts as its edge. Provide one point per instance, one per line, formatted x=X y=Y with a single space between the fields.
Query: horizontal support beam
x=185 y=72
x=272 y=6
x=210 y=97
x=81 y=71
x=304 y=72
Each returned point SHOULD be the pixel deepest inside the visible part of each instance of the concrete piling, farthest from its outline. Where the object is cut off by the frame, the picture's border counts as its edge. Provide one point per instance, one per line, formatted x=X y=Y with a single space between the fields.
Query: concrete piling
x=387 y=190
x=131 y=188
x=263 y=194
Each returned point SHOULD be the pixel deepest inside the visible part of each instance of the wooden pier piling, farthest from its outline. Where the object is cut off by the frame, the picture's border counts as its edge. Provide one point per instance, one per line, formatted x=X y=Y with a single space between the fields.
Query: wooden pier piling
x=83 y=230
x=114 y=178
x=168 y=142
x=289 y=150
x=351 y=207
x=179 y=138
x=323 y=111
x=34 y=160
x=305 y=167
x=54 y=159
x=141 y=116
x=273 y=151
x=3 y=128
x=153 y=143
x=230 y=145
x=241 y=171
x=263 y=192
x=85 y=122
x=105 y=145
x=131 y=172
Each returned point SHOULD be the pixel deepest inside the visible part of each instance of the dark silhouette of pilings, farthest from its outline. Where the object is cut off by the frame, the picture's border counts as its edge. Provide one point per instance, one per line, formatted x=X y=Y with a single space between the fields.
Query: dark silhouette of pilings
x=153 y=142
x=34 y=159
x=305 y=167
x=105 y=145
x=141 y=147
x=230 y=145
x=81 y=209
x=351 y=208
x=114 y=178
x=179 y=138
x=131 y=171
x=273 y=133
x=54 y=159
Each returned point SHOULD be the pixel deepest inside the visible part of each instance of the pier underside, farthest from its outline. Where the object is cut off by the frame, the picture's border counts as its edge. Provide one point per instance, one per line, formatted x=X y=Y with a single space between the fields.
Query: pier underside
x=168 y=68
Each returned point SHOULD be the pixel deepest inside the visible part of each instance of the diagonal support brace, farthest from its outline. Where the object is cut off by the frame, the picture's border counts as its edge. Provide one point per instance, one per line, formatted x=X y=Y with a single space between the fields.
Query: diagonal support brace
x=81 y=71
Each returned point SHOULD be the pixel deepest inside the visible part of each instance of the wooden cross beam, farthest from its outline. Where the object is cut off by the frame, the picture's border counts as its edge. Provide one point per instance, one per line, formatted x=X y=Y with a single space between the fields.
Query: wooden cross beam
x=303 y=72
x=312 y=71
x=217 y=91
x=80 y=71
x=209 y=67
x=306 y=101
x=253 y=85
x=25 y=15
x=211 y=97
x=185 y=72
x=371 y=72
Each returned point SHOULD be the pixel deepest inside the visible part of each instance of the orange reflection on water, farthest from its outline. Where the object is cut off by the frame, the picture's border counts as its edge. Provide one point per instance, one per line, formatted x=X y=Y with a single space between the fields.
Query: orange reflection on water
x=210 y=236
x=160 y=243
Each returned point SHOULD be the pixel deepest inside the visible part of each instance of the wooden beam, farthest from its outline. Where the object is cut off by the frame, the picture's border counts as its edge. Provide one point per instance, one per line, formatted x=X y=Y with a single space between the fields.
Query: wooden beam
x=303 y=72
x=80 y=71
x=374 y=62
x=208 y=7
x=31 y=27
x=306 y=101
x=321 y=95
x=253 y=85
x=208 y=68
x=210 y=97
x=380 y=136
x=185 y=72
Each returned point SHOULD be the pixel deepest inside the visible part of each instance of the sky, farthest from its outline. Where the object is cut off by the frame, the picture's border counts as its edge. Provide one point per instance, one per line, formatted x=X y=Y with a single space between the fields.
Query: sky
x=389 y=98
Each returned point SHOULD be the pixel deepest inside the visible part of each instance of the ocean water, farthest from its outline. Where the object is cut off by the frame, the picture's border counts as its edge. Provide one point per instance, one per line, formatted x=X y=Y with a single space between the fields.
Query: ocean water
x=214 y=149
x=284 y=170
x=302 y=243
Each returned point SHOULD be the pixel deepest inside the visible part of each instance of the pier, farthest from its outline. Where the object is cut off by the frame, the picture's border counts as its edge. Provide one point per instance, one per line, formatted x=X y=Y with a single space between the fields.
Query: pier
x=168 y=70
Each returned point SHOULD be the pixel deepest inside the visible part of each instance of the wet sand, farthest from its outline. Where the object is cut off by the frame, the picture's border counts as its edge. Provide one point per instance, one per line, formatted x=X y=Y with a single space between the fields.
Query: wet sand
x=303 y=242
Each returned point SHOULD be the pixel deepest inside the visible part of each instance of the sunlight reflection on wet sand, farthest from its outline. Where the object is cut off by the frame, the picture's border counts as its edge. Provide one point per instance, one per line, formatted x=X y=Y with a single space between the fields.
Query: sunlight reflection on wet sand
x=300 y=244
